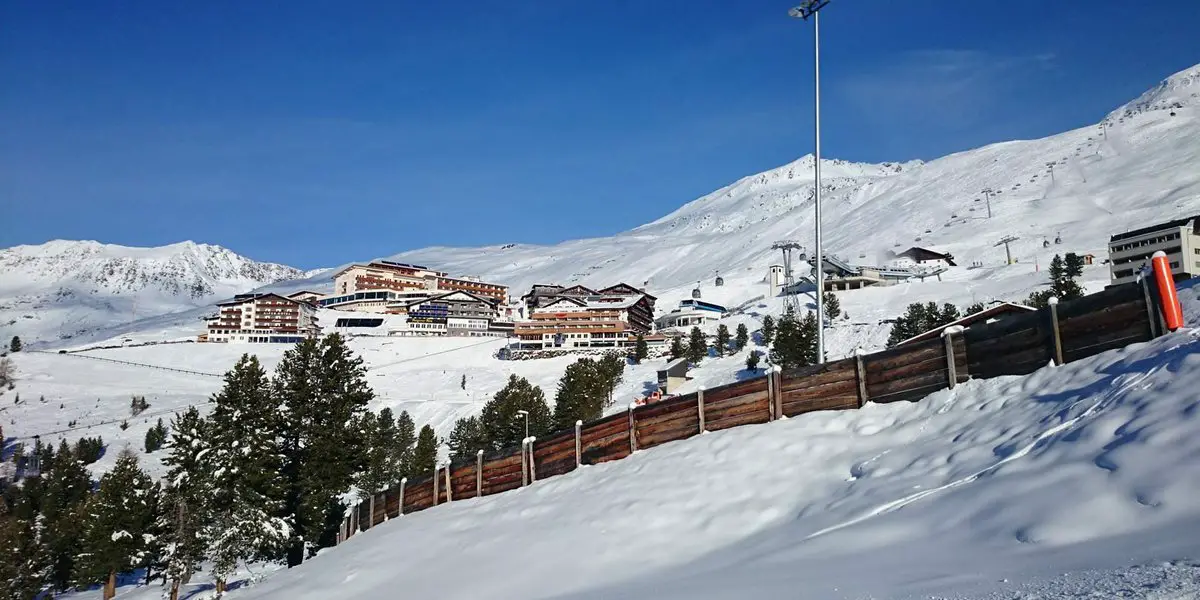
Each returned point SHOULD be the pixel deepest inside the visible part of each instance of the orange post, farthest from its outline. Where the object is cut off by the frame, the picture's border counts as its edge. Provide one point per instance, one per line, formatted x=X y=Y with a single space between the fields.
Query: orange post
x=1172 y=311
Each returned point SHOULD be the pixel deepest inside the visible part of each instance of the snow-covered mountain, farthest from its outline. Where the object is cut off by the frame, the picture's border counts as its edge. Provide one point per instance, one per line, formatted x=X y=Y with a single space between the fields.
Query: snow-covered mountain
x=1082 y=185
x=63 y=288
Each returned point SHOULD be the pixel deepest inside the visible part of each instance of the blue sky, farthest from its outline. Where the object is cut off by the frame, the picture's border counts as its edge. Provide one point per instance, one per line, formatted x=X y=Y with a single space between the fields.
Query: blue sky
x=314 y=133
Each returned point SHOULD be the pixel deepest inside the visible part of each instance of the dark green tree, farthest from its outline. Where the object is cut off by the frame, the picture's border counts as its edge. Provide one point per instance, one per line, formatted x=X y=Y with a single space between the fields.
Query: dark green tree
x=795 y=341
x=742 y=337
x=677 y=349
x=610 y=369
x=463 y=384
x=406 y=439
x=831 y=305
x=640 y=349
x=949 y=314
x=425 y=454
x=697 y=348
x=721 y=344
x=974 y=308
x=503 y=425
x=386 y=448
x=118 y=518
x=580 y=395
x=768 y=330
x=1072 y=265
x=24 y=559
x=752 y=360
x=242 y=470
x=65 y=488
x=156 y=436
x=322 y=390
x=15 y=344
x=466 y=439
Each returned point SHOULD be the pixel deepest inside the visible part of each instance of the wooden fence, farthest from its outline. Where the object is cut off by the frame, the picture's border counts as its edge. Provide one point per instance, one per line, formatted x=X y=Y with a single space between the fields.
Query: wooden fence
x=1014 y=345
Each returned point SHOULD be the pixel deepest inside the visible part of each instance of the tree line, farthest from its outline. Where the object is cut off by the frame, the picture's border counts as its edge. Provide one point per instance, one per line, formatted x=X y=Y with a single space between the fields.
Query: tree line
x=264 y=476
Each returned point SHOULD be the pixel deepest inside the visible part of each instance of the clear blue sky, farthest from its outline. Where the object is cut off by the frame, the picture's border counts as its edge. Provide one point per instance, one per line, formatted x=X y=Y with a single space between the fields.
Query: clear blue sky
x=315 y=133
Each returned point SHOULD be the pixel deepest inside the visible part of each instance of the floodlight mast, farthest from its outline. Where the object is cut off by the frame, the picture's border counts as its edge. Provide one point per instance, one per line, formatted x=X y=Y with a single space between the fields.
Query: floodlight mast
x=806 y=9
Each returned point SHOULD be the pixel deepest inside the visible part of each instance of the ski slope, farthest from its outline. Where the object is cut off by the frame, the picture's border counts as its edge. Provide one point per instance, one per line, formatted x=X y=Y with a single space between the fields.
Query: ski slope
x=1080 y=477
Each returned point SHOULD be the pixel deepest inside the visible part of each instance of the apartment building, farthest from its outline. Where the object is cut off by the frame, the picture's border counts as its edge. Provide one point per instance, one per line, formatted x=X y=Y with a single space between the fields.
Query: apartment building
x=579 y=317
x=262 y=318
x=404 y=279
x=1179 y=239
x=452 y=314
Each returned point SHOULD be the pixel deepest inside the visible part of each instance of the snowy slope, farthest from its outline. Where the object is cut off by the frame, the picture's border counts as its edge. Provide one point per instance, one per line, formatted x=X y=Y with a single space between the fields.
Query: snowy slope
x=1016 y=487
x=61 y=289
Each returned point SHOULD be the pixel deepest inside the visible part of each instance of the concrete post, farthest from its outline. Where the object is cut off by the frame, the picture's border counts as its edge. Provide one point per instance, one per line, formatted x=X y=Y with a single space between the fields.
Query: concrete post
x=479 y=473
x=700 y=406
x=1058 y=351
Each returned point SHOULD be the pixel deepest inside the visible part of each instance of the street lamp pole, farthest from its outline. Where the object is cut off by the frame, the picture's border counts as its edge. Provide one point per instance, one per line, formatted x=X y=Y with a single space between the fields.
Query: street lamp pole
x=806 y=9
x=525 y=414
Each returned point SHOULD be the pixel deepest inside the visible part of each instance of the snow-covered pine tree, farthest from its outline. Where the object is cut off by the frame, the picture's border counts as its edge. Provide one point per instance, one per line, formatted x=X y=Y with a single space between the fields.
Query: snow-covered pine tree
x=609 y=371
x=677 y=349
x=323 y=389
x=831 y=305
x=721 y=344
x=752 y=360
x=242 y=472
x=118 y=517
x=66 y=485
x=742 y=337
x=184 y=503
x=24 y=559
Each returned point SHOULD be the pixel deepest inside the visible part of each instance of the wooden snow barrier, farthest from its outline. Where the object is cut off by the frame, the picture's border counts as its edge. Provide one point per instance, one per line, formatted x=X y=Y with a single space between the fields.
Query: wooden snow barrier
x=1018 y=344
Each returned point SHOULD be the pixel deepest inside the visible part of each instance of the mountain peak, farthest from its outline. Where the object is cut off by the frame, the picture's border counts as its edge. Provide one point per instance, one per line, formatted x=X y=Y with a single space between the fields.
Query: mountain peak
x=1177 y=91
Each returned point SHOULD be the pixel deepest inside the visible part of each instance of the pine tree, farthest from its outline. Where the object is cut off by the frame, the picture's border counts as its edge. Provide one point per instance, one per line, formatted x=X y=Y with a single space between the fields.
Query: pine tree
x=721 y=344
x=322 y=389
x=8 y=372
x=742 y=338
x=640 y=349
x=463 y=384
x=580 y=394
x=831 y=305
x=768 y=330
x=503 y=426
x=184 y=504
x=978 y=307
x=1072 y=265
x=384 y=460
x=807 y=338
x=118 y=517
x=65 y=488
x=677 y=349
x=948 y=315
x=24 y=559
x=15 y=344
x=752 y=360
x=242 y=472
x=156 y=436
x=697 y=348
x=425 y=454
x=466 y=439
x=785 y=340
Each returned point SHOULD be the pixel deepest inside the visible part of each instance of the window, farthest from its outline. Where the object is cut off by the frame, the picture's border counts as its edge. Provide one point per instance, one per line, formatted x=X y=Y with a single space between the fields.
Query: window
x=1175 y=264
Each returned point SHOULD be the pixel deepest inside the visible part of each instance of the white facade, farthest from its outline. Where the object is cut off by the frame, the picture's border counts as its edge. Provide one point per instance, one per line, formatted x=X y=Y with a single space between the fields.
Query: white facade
x=775 y=279
x=262 y=318
x=1180 y=240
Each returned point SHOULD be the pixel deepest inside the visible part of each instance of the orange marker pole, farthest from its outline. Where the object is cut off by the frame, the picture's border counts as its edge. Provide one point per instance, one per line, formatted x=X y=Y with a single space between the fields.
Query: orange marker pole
x=1172 y=311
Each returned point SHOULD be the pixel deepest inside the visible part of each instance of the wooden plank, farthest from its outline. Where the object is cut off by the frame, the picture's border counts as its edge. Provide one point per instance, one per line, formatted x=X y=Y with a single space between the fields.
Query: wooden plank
x=737 y=420
x=615 y=450
x=985 y=346
x=619 y=436
x=757 y=402
x=555 y=468
x=841 y=402
x=880 y=392
x=1120 y=313
x=605 y=429
x=801 y=373
x=734 y=390
x=1008 y=325
x=661 y=437
x=1094 y=302
x=819 y=391
x=818 y=379
x=902 y=356
x=931 y=361
x=688 y=415
x=1078 y=348
x=391 y=506
x=670 y=405
x=910 y=395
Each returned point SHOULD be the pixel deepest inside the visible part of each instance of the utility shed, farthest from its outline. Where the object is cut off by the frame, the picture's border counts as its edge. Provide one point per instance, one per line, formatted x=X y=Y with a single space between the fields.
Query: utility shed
x=672 y=376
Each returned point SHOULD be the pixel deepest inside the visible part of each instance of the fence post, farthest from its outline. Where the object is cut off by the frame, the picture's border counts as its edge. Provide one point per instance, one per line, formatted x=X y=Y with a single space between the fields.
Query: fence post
x=578 y=443
x=532 y=462
x=524 y=464
x=951 y=367
x=770 y=394
x=1058 y=353
x=860 y=373
x=403 y=480
x=357 y=524
x=435 y=484
x=778 y=376
x=479 y=474
x=371 y=513
x=632 y=430
x=700 y=406
x=449 y=488
x=1155 y=330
